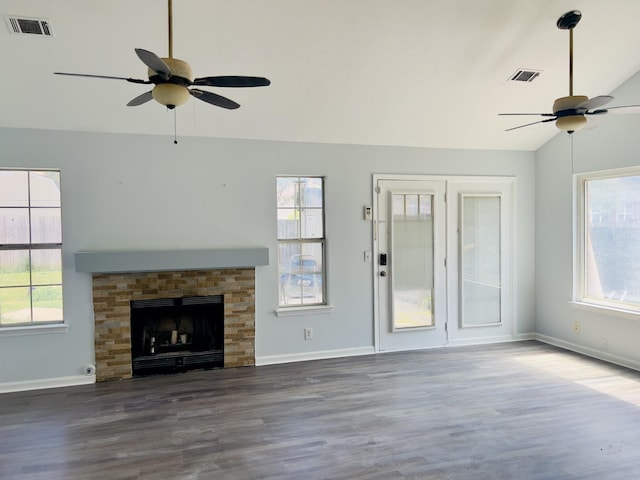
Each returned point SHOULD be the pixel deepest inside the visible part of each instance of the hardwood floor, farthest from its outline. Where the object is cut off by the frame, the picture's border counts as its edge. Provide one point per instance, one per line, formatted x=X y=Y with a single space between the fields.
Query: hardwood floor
x=512 y=411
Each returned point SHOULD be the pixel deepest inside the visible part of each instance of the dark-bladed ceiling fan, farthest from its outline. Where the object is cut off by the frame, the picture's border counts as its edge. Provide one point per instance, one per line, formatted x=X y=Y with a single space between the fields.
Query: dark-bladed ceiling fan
x=172 y=79
x=570 y=113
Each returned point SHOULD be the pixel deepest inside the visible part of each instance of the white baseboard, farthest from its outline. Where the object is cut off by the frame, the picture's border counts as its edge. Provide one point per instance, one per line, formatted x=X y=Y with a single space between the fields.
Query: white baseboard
x=59 y=382
x=481 y=341
x=303 y=357
x=590 y=352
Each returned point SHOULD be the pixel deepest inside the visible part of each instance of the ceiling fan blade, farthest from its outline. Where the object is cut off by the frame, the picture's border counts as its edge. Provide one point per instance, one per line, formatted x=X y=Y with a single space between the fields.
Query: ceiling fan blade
x=541 y=114
x=595 y=102
x=154 y=62
x=232 y=81
x=109 y=77
x=140 y=99
x=532 y=123
x=214 y=99
x=621 y=109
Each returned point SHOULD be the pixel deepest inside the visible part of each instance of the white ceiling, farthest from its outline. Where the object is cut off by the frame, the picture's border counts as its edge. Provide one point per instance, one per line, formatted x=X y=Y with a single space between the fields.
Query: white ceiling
x=427 y=73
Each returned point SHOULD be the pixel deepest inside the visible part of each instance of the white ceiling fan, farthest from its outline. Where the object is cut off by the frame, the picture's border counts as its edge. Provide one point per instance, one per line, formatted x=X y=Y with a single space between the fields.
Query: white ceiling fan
x=570 y=113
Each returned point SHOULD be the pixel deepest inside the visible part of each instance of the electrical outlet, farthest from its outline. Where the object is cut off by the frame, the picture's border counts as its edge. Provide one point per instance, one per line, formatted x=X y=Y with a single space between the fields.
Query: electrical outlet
x=308 y=333
x=576 y=327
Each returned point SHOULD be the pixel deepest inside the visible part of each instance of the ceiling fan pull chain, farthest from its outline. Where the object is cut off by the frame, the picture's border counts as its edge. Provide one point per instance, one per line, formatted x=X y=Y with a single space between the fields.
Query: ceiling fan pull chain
x=175 y=128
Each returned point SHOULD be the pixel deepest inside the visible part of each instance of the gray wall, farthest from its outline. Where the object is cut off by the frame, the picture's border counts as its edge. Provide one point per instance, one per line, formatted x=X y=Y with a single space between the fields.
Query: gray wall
x=143 y=192
x=615 y=143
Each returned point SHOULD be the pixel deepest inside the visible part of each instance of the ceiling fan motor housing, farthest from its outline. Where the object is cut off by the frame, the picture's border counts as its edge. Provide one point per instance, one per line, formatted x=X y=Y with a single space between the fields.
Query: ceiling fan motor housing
x=172 y=92
x=569 y=119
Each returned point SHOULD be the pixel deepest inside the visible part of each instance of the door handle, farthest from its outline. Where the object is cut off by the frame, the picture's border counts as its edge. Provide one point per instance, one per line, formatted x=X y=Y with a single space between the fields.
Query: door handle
x=383 y=273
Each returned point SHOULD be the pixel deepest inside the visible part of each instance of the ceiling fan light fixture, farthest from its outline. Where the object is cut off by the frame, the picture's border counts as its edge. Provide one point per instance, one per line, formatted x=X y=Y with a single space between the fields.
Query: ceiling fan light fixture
x=170 y=94
x=571 y=123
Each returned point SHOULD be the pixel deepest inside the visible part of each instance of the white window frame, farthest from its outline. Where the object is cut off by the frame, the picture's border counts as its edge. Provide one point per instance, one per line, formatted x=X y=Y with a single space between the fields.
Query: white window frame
x=36 y=327
x=285 y=309
x=580 y=297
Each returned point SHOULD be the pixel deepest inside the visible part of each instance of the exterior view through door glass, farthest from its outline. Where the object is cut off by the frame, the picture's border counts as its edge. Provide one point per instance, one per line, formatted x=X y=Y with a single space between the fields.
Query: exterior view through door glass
x=412 y=254
x=480 y=260
x=410 y=272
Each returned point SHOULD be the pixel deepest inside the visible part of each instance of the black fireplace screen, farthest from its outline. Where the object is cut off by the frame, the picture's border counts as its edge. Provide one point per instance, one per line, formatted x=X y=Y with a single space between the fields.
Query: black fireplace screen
x=177 y=334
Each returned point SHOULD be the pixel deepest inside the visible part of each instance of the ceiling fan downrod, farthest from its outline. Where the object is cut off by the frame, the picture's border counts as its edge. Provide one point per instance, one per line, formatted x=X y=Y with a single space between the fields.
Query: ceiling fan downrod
x=170 y=16
x=569 y=123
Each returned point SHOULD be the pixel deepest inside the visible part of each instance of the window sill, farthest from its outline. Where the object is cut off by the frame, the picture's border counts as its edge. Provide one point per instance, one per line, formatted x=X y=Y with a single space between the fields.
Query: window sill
x=34 y=329
x=606 y=310
x=296 y=311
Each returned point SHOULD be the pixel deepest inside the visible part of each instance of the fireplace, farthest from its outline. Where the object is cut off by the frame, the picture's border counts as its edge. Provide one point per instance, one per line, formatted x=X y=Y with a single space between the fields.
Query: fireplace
x=177 y=334
x=123 y=277
x=113 y=294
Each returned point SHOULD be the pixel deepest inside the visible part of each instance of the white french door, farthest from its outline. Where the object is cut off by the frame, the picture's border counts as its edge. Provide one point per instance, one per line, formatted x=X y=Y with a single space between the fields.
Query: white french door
x=442 y=249
x=410 y=256
x=479 y=270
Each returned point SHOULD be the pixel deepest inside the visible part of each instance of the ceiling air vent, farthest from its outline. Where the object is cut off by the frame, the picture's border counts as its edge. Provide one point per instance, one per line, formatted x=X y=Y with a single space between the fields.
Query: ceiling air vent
x=33 y=26
x=524 y=75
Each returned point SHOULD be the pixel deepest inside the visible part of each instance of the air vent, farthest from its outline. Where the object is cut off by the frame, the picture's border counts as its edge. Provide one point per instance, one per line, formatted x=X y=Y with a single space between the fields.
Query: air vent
x=524 y=75
x=31 y=26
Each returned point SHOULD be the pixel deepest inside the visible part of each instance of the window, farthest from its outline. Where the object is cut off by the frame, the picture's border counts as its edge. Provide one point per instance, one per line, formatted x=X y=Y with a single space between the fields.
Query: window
x=301 y=241
x=609 y=235
x=30 y=248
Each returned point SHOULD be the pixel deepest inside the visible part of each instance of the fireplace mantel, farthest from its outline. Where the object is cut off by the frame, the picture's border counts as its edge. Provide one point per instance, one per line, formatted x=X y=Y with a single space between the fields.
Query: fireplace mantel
x=126 y=261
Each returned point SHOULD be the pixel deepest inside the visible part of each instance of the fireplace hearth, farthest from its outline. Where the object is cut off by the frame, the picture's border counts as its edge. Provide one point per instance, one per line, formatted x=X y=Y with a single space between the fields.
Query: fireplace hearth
x=170 y=335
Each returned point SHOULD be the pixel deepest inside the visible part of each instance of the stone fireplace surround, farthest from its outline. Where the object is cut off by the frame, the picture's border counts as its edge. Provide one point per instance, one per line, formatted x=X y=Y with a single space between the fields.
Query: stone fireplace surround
x=173 y=274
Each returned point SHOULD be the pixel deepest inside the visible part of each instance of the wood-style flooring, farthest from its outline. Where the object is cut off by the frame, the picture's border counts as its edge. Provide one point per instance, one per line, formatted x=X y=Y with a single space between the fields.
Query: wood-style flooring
x=512 y=411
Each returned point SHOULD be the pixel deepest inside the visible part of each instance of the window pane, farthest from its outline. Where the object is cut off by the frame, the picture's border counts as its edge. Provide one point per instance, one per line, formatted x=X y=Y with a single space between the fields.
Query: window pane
x=46 y=267
x=301 y=273
x=311 y=192
x=14 y=268
x=15 y=305
x=311 y=223
x=612 y=234
x=14 y=226
x=47 y=304
x=45 y=189
x=287 y=191
x=288 y=223
x=46 y=225
x=14 y=189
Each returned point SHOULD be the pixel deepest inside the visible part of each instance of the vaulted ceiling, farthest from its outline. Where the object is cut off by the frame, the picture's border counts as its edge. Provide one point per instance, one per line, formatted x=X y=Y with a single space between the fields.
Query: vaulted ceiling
x=426 y=73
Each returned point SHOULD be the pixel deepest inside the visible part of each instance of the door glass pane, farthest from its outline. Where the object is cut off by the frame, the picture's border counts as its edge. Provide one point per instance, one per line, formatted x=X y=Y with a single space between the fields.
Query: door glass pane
x=480 y=260
x=412 y=260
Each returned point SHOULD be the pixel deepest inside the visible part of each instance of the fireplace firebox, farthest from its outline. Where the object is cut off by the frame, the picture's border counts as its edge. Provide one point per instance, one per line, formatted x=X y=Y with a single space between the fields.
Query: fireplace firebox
x=170 y=335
